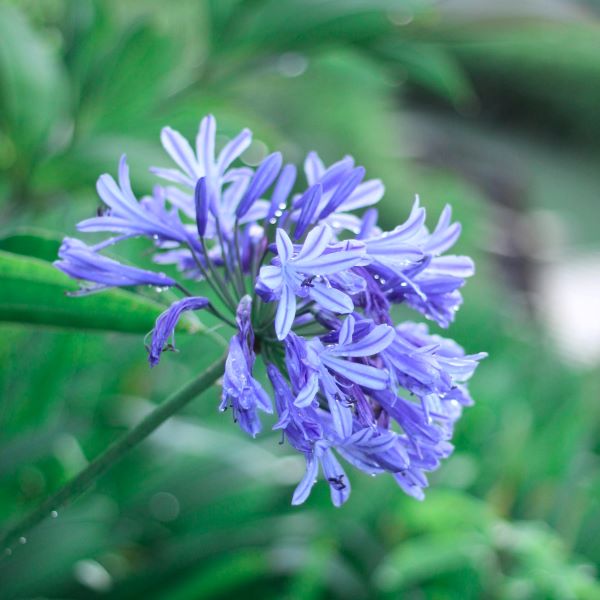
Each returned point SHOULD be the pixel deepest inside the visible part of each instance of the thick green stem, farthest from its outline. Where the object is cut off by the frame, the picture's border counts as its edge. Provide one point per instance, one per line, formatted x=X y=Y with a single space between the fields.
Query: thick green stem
x=82 y=482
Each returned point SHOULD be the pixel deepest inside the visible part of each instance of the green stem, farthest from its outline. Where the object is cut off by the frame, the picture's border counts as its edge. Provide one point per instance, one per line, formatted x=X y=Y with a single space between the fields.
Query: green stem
x=82 y=482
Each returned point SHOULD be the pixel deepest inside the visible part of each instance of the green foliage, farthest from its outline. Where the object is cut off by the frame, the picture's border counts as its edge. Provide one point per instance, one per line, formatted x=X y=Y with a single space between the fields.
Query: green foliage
x=488 y=110
x=35 y=292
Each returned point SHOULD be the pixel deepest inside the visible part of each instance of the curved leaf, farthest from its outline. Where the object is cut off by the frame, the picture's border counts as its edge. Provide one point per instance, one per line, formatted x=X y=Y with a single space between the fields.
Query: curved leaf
x=34 y=292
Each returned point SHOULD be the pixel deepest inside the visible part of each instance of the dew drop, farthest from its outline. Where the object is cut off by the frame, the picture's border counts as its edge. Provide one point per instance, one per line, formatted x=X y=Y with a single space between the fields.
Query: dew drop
x=278 y=213
x=7 y=551
x=292 y=64
x=272 y=221
x=54 y=514
x=22 y=540
x=281 y=206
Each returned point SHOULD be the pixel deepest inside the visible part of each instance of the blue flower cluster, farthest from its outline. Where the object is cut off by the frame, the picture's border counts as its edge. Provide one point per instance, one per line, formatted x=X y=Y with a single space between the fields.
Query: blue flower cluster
x=307 y=285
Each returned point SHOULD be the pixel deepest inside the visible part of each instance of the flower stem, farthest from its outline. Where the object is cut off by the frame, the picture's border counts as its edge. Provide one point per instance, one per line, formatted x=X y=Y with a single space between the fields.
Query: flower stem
x=102 y=463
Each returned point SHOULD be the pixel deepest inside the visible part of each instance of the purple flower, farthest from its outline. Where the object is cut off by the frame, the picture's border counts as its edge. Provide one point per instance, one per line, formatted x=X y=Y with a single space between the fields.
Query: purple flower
x=130 y=217
x=83 y=262
x=349 y=385
x=329 y=369
x=167 y=321
x=303 y=274
x=201 y=162
x=241 y=391
x=341 y=174
x=260 y=182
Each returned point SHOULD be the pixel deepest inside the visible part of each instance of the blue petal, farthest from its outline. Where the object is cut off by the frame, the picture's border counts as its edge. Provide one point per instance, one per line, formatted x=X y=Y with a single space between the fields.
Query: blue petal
x=205 y=145
x=313 y=168
x=307 y=394
x=201 y=202
x=180 y=151
x=330 y=298
x=271 y=277
x=341 y=415
x=233 y=149
x=309 y=202
x=286 y=312
x=346 y=331
x=303 y=489
x=332 y=262
x=336 y=477
x=377 y=340
x=365 y=375
x=366 y=194
x=282 y=190
x=343 y=191
x=166 y=322
x=263 y=178
x=315 y=244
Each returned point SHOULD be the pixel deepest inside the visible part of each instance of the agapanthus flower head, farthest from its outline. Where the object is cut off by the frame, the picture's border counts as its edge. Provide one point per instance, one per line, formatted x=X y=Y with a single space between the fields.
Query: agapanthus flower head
x=307 y=284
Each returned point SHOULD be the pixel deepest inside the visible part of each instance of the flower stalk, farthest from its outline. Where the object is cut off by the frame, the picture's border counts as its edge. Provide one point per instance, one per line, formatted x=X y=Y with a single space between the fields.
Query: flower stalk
x=114 y=453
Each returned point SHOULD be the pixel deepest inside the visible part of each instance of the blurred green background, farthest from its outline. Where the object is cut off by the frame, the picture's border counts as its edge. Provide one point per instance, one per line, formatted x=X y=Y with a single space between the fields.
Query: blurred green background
x=493 y=107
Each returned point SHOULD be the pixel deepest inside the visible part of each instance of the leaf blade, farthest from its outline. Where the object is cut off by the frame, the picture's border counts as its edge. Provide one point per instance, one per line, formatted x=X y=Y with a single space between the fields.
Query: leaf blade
x=34 y=292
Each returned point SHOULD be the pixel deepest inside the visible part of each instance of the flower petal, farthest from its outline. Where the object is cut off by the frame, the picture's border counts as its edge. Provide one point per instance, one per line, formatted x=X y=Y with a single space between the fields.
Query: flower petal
x=366 y=194
x=315 y=244
x=205 y=145
x=232 y=150
x=286 y=312
x=285 y=249
x=330 y=298
x=377 y=340
x=309 y=203
x=313 y=168
x=271 y=276
x=307 y=394
x=346 y=331
x=181 y=152
x=336 y=477
x=331 y=262
x=365 y=375
x=167 y=321
x=302 y=491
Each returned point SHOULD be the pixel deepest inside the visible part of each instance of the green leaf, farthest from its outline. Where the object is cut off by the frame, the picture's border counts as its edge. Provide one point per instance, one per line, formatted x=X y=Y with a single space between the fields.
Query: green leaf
x=142 y=62
x=34 y=292
x=430 y=66
x=32 y=85
x=30 y=241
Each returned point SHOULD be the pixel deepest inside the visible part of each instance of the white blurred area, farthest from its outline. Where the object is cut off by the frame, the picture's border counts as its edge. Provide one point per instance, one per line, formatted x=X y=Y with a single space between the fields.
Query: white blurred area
x=568 y=300
x=567 y=289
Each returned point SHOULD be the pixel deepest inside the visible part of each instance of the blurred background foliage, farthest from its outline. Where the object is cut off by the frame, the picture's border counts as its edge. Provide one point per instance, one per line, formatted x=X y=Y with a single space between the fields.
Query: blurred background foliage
x=493 y=107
